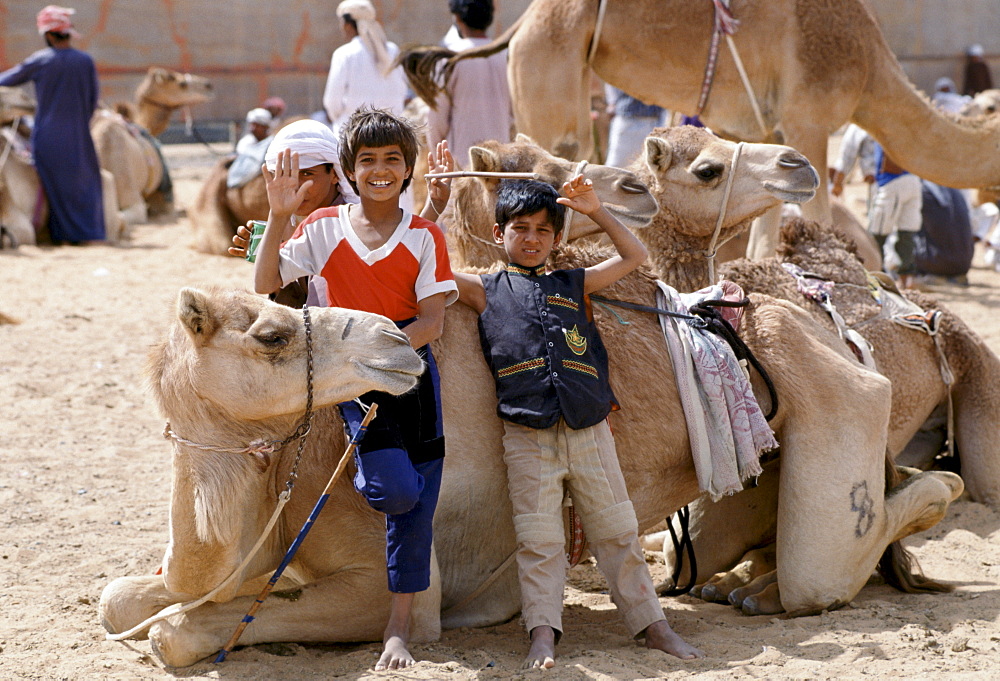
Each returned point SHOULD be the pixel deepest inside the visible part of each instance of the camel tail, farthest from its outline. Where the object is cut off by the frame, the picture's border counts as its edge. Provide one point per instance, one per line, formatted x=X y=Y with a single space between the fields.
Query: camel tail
x=898 y=567
x=428 y=68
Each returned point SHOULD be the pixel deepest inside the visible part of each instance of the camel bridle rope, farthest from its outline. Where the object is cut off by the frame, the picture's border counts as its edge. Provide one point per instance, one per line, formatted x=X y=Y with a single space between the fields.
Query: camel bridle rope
x=713 y=246
x=261 y=449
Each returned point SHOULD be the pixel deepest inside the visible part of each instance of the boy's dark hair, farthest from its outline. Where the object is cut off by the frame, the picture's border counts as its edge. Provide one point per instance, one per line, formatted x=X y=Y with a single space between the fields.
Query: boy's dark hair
x=525 y=197
x=371 y=127
x=476 y=14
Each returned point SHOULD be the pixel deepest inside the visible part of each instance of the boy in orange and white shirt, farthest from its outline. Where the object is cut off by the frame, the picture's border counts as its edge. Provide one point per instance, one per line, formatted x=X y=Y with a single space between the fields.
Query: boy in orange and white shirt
x=379 y=258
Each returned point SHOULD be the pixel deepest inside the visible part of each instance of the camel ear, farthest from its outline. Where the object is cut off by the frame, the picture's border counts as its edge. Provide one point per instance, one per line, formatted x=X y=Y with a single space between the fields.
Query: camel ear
x=524 y=139
x=159 y=74
x=195 y=314
x=484 y=160
x=659 y=155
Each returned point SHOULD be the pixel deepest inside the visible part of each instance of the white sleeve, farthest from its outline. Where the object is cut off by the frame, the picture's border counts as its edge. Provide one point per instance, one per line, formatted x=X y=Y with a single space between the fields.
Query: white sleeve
x=433 y=255
x=850 y=144
x=336 y=85
x=298 y=258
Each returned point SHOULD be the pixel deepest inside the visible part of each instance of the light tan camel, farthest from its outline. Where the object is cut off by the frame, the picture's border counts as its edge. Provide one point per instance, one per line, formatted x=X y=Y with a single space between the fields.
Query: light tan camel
x=228 y=345
x=162 y=92
x=983 y=103
x=814 y=65
x=908 y=358
x=125 y=150
x=22 y=203
x=15 y=102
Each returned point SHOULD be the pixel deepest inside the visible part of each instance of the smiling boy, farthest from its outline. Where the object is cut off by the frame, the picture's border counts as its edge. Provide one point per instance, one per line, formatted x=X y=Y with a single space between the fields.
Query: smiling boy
x=377 y=257
x=551 y=373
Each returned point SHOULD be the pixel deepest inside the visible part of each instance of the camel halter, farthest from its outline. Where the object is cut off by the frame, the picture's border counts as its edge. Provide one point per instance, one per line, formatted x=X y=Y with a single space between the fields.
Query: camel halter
x=601 y=8
x=713 y=244
x=260 y=449
x=10 y=142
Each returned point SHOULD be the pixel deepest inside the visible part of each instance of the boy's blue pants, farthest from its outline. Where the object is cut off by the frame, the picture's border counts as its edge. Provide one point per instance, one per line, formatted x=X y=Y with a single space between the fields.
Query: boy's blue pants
x=399 y=472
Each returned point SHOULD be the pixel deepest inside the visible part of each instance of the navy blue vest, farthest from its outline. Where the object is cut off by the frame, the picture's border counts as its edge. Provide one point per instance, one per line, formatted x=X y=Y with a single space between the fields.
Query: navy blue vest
x=543 y=349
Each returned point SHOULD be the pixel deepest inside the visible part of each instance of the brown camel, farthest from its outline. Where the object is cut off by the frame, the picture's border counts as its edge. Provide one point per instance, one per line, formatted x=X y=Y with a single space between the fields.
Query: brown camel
x=128 y=151
x=813 y=66
x=226 y=345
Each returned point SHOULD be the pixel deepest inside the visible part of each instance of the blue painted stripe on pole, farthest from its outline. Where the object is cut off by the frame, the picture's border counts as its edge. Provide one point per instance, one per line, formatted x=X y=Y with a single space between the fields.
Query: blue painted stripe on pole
x=221 y=657
x=299 y=538
x=358 y=436
x=248 y=619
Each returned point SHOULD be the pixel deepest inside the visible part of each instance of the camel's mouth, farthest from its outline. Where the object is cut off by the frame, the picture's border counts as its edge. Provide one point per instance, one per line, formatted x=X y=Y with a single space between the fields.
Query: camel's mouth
x=392 y=377
x=790 y=195
x=632 y=218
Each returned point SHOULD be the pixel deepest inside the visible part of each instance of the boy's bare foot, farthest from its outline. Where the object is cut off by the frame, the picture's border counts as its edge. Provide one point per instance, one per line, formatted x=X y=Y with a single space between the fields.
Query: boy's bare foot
x=395 y=655
x=542 y=654
x=397 y=633
x=659 y=636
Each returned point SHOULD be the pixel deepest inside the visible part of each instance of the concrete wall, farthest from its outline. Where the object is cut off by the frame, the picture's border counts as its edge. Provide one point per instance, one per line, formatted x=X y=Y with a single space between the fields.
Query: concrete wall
x=929 y=37
x=252 y=48
x=249 y=48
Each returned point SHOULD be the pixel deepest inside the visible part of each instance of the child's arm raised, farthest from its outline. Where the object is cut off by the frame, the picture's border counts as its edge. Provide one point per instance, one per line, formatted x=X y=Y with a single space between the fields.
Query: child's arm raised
x=579 y=195
x=439 y=160
x=284 y=196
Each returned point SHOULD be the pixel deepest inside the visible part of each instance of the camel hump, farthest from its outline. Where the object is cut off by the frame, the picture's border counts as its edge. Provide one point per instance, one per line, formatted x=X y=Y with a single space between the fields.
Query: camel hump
x=798 y=234
x=426 y=73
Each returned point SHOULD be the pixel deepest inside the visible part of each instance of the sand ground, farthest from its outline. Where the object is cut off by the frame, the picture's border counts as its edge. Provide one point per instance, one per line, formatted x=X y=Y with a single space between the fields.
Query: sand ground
x=85 y=476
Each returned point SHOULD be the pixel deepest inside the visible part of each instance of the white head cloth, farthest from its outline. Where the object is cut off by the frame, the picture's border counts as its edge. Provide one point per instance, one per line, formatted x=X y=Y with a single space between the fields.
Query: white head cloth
x=315 y=144
x=259 y=115
x=369 y=30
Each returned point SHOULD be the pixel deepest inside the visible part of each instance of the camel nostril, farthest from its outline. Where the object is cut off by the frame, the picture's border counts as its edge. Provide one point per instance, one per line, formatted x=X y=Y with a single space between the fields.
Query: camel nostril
x=633 y=187
x=792 y=161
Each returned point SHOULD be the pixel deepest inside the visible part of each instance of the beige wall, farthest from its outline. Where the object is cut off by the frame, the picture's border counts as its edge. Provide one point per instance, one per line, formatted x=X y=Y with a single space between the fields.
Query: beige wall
x=249 y=48
x=252 y=49
x=929 y=37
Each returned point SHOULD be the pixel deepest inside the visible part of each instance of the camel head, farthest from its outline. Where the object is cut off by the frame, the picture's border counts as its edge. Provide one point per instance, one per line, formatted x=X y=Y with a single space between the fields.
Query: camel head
x=688 y=168
x=173 y=90
x=15 y=102
x=474 y=199
x=243 y=358
x=985 y=102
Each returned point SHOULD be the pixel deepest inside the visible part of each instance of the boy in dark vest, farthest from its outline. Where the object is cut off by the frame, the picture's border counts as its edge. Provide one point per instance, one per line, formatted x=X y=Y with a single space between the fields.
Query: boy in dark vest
x=551 y=374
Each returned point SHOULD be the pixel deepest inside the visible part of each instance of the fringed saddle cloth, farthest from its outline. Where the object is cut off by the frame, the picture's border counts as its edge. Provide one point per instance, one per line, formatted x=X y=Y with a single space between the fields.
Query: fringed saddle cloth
x=726 y=427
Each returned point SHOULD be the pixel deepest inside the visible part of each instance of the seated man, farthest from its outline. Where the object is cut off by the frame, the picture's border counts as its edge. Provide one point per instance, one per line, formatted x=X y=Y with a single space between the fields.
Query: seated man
x=251 y=148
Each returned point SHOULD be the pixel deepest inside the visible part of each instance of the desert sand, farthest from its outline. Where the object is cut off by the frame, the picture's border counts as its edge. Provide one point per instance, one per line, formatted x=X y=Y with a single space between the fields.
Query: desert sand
x=85 y=478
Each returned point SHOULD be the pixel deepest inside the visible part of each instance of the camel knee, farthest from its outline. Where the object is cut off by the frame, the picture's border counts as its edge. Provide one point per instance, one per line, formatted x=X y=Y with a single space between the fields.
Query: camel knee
x=127 y=601
x=179 y=646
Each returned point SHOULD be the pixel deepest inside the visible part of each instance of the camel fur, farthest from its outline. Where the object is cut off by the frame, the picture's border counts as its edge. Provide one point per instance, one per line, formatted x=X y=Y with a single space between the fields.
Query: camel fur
x=227 y=345
x=813 y=66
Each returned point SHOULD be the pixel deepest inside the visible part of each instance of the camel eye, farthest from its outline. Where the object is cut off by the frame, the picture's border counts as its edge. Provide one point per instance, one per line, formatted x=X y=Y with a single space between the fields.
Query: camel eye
x=272 y=340
x=708 y=172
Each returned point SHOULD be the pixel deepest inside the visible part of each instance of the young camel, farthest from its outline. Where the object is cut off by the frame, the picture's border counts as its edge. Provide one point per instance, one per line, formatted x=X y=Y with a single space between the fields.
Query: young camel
x=226 y=345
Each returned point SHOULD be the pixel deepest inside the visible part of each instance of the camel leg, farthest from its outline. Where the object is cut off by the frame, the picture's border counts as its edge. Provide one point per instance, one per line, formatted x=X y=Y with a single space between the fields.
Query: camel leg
x=834 y=520
x=760 y=597
x=347 y=606
x=765 y=235
x=754 y=564
x=552 y=100
x=977 y=403
x=718 y=542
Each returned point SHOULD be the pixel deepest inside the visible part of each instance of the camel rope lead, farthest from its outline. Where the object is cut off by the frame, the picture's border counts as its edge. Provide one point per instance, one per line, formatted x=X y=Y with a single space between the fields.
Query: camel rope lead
x=320 y=503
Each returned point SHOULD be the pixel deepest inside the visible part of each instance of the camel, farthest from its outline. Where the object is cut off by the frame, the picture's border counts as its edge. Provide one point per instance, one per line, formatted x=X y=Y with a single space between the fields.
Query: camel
x=23 y=204
x=985 y=102
x=226 y=345
x=812 y=65
x=681 y=231
x=130 y=153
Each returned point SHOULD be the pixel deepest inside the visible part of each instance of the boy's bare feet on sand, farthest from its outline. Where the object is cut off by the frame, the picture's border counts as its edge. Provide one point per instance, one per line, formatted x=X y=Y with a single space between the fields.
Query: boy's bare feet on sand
x=394 y=655
x=659 y=636
x=542 y=654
